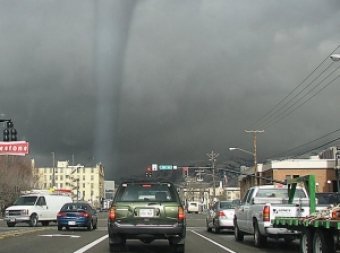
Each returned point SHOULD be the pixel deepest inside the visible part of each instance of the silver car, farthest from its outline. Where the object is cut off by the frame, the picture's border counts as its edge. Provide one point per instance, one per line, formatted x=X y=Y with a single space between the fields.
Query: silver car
x=220 y=216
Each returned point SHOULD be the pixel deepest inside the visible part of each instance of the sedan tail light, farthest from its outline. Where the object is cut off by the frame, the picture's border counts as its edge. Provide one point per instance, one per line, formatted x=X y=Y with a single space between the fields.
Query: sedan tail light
x=61 y=214
x=84 y=214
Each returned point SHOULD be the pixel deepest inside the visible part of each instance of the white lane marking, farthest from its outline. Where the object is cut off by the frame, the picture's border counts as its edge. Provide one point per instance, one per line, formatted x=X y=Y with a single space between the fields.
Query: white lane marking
x=213 y=242
x=58 y=235
x=92 y=244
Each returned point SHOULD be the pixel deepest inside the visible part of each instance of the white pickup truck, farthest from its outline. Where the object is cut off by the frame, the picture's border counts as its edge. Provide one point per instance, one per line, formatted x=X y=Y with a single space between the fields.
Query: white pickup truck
x=260 y=205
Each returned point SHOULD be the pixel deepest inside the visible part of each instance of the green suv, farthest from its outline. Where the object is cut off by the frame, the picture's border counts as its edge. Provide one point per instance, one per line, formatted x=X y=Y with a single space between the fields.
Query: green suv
x=147 y=211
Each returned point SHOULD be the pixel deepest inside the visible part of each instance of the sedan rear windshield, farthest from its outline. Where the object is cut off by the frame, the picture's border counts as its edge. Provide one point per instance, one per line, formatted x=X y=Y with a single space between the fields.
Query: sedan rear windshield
x=74 y=207
x=227 y=205
x=146 y=192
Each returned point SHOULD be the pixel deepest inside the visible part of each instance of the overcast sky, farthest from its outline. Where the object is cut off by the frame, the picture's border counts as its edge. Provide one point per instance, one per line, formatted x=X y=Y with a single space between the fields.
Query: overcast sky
x=131 y=83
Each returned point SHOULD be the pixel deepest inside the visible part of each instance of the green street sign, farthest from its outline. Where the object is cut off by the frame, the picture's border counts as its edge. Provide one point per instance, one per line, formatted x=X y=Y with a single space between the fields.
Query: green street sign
x=165 y=167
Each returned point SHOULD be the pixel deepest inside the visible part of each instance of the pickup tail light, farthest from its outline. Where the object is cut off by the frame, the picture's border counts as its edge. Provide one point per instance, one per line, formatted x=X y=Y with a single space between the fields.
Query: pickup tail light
x=266 y=213
x=181 y=213
x=112 y=214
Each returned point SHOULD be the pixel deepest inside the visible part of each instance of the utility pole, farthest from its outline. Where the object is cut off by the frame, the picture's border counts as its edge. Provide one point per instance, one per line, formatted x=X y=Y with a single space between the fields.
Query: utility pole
x=254 y=132
x=212 y=157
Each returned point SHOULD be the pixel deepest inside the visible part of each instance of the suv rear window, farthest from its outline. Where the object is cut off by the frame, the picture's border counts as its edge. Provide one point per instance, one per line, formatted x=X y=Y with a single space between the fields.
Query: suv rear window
x=145 y=192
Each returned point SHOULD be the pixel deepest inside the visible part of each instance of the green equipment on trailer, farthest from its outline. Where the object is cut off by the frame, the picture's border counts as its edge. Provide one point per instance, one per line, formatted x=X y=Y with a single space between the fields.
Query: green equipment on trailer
x=319 y=230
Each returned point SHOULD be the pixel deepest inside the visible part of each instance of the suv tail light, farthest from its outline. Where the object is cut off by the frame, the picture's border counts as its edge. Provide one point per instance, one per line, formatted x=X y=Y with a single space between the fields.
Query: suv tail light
x=181 y=214
x=112 y=214
x=266 y=213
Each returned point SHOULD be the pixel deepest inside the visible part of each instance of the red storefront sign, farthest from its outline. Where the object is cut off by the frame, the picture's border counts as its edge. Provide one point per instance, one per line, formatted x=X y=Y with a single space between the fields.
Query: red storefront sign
x=14 y=148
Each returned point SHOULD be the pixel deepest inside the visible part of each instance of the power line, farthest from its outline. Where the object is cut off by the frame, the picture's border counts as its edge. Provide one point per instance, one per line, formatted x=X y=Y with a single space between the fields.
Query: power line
x=288 y=111
x=321 y=146
x=285 y=153
x=278 y=107
x=282 y=109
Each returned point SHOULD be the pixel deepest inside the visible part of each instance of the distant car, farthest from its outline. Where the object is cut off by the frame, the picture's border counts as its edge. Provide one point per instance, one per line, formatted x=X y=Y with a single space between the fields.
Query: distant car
x=77 y=214
x=193 y=207
x=147 y=211
x=221 y=216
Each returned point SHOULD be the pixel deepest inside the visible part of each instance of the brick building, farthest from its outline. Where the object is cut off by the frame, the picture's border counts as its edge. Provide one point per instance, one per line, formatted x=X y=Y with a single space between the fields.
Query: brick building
x=324 y=166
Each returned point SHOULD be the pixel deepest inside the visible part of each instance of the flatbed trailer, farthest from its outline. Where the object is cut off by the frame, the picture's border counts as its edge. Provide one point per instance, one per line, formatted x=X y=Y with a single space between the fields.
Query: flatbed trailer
x=320 y=230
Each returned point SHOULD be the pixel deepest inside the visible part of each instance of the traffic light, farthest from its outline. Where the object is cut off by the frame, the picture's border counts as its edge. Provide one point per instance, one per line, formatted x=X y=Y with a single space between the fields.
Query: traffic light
x=221 y=174
x=148 y=174
x=10 y=133
x=13 y=134
x=6 y=135
x=185 y=171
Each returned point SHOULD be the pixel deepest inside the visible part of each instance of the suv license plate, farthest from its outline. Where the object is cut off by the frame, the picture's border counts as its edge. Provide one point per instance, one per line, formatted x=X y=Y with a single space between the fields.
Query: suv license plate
x=146 y=212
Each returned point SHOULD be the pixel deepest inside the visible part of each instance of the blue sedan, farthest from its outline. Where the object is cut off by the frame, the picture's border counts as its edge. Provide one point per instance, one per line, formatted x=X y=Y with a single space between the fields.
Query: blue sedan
x=77 y=214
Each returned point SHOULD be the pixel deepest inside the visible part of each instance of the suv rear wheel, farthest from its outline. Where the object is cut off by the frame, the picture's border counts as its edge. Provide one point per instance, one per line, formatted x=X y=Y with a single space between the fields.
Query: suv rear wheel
x=116 y=247
x=117 y=244
x=179 y=248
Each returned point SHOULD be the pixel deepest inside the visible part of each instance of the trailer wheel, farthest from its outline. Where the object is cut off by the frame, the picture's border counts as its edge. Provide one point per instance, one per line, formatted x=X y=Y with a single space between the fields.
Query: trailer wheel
x=306 y=241
x=323 y=242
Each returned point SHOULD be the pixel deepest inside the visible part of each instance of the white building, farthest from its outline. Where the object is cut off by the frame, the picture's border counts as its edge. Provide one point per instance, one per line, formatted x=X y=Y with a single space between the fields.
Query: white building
x=85 y=183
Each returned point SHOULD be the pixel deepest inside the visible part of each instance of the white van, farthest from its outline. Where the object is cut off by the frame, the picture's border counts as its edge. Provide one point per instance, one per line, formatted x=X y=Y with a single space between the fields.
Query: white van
x=35 y=207
x=193 y=207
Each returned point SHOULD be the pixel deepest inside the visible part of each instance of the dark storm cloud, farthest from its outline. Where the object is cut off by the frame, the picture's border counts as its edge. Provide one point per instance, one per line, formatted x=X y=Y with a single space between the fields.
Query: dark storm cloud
x=130 y=83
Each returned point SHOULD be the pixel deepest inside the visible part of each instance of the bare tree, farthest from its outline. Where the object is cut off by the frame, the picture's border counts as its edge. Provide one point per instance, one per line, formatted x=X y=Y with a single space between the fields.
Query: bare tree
x=15 y=176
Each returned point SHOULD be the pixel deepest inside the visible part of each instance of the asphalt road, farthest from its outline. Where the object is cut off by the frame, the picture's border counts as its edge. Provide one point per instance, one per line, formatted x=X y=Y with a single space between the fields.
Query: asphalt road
x=49 y=239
